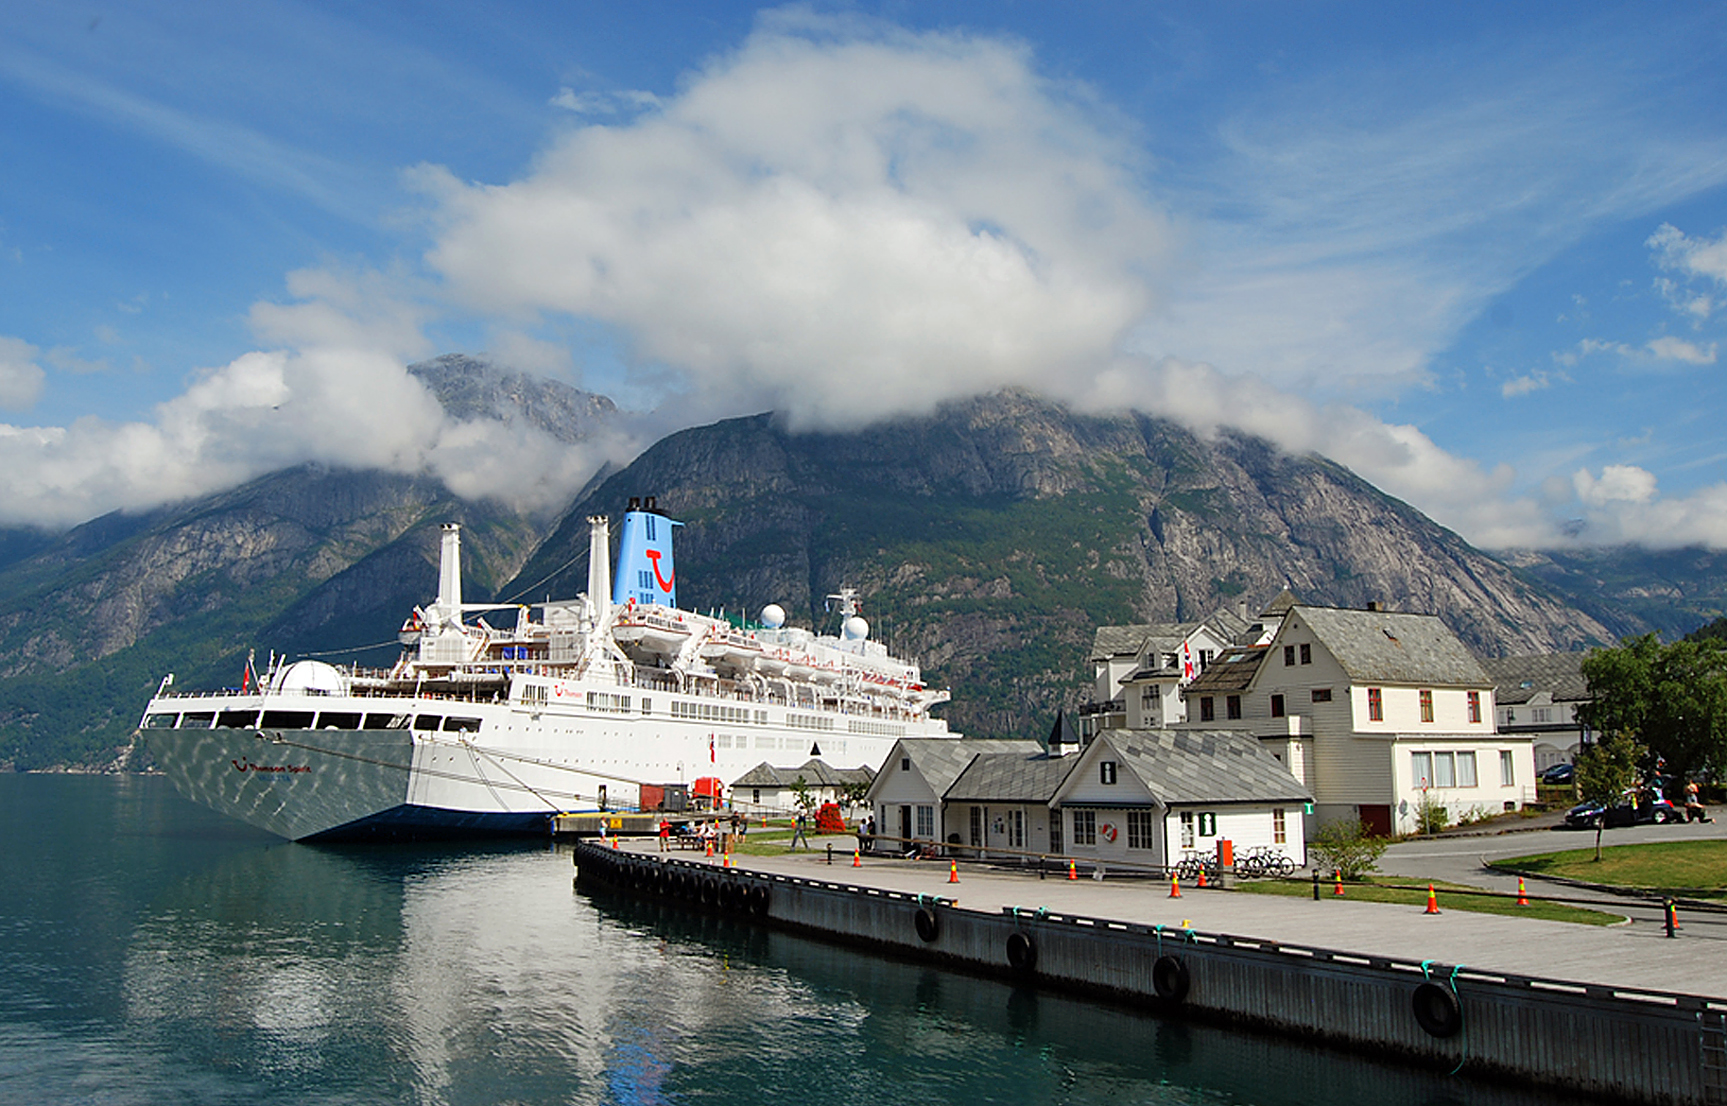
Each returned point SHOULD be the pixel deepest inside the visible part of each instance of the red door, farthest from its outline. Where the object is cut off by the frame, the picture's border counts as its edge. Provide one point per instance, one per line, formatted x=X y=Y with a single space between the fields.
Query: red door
x=1377 y=819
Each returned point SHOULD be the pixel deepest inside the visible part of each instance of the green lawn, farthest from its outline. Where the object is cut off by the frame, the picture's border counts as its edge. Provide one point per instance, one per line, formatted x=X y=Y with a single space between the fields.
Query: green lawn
x=1695 y=867
x=1451 y=897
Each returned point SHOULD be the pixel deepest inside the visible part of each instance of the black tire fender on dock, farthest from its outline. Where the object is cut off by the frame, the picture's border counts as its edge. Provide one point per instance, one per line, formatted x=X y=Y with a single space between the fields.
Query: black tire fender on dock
x=928 y=925
x=1021 y=952
x=1169 y=979
x=759 y=901
x=1437 y=1010
x=710 y=892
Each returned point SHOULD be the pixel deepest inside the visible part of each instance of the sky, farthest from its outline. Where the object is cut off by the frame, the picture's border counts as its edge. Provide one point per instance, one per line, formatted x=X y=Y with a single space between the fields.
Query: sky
x=1475 y=252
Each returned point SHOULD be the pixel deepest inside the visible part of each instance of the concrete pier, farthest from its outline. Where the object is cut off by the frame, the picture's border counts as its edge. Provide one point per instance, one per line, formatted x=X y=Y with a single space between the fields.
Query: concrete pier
x=1453 y=992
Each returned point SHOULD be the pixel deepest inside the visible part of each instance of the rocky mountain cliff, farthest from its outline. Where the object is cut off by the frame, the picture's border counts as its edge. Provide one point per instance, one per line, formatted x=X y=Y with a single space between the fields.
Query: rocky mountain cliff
x=991 y=538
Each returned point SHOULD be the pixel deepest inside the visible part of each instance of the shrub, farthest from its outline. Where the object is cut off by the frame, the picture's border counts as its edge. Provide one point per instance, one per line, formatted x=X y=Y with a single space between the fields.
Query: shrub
x=1431 y=817
x=1349 y=848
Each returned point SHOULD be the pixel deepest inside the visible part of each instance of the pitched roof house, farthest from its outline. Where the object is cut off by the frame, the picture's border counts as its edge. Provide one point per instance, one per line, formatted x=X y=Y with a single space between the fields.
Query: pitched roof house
x=766 y=789
x=1538 y=695
x=906 y=796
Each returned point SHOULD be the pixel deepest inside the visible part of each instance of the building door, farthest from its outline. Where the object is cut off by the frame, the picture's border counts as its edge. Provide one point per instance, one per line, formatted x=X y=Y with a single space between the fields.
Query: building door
x=905 y=825
x=1377 y=819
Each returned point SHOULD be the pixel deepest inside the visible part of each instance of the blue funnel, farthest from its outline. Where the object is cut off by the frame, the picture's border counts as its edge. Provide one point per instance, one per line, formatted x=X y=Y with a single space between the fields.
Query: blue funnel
x=645 y=571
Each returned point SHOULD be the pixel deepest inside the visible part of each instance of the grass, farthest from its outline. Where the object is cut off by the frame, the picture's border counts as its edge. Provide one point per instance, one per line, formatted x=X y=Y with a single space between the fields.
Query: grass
x=1695 y=867
x=1452 y=896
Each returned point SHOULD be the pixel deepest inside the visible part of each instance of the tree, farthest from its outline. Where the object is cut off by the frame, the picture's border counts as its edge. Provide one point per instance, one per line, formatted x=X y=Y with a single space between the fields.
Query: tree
x=1604 y=771
x=806 y=802
x=1349 y=848
x=1671 y=698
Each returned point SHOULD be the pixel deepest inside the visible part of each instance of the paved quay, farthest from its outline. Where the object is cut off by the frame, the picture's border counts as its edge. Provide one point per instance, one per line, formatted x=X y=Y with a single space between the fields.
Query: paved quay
x=1634 y=957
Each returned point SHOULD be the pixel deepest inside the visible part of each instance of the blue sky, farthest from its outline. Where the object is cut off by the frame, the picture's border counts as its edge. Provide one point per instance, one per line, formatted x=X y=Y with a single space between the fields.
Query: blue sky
x=1478 y=253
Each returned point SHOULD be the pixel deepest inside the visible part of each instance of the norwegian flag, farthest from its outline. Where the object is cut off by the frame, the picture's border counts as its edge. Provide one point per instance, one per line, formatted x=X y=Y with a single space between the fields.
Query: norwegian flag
x=713 y=757
x=1187 y=672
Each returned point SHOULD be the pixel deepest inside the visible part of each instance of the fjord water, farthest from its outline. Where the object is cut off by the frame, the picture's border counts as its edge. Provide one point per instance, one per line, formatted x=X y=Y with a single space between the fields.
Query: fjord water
x=151 y=951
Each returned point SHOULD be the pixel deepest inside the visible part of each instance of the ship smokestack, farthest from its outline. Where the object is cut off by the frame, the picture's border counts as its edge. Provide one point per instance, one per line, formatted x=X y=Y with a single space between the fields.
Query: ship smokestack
x=599 y=567
x=450 y=574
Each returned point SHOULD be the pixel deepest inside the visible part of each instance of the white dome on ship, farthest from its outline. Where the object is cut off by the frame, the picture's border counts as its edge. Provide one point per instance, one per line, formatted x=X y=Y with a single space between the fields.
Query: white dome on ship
x=314 y=677
x=856 y=629
x=773 y=616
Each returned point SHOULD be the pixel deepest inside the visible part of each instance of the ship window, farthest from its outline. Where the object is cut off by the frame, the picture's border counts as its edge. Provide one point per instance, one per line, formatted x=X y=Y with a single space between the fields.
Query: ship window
x=386 y=721
x=237 y=719
x=287 y=720
x=338 y=720
x=428 y=722
x=161 y=721
x=199 y=720
x=462 y=725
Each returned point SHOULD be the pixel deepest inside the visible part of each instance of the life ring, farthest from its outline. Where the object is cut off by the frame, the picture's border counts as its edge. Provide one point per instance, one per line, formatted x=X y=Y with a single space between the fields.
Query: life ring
x=1108 y=831
x=928 y=926
x=1169 y=979
x=1021 y=952
x=1437 y=1010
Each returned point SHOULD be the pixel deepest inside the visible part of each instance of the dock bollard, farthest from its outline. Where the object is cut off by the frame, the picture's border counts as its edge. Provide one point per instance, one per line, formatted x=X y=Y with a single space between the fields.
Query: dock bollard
x=1316 y=885
x=1672 y=913
x=830 y=852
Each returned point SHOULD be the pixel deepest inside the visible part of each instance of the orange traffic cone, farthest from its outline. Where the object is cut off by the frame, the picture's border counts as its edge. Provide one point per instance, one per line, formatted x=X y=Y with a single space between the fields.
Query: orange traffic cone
x=1174 y=886
x=1072 y=871
x=614 y=842
x=727 y=862
x=1522 y=895
x=857 y=858
x=710 y=848
x=953 y=871
x=1338 y=893
x=1201 y=878
x=1432 y=901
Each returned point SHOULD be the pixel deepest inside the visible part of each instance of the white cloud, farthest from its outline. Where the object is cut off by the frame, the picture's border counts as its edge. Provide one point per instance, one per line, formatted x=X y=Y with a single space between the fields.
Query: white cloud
x=1616 y=484
x=1665 y=348
x=1623 y=505
x=1677 y=349
x=1700 y=257
x=841 y=230
x=1523 y=385
x=20 y=376
x=603 y=103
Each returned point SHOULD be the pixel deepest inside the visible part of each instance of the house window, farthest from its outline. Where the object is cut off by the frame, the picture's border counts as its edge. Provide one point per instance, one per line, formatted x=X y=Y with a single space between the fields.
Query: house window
x=1139 y=823
x=1016 y=829
x=1444 y=770
x=977 y=825
x=1306 y=653
x=1277 y=706
x=1085 y=827
x=1475 y=706
x=1207 y=709
x=1543 y=715
x=1506 y=775
x=1375 y=705
x=1153 y=694
x=926 y=822
x=1322 y=695
x=1106 y=771
x=1288 y=656
x=756 y=795
x=1279 y=836
x=1055 y=834
x=1187 y=829
x=1207 y=824
x=1465 y=769
x=905 y=764
x=1426 y=705
x=1204 y=658
x=1232 y=706
x=1421 y=769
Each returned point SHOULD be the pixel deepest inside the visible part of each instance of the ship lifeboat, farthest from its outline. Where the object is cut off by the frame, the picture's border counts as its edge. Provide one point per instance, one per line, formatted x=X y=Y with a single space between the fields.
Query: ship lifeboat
x=651 y=630
x=772 y=662
x=733 y=651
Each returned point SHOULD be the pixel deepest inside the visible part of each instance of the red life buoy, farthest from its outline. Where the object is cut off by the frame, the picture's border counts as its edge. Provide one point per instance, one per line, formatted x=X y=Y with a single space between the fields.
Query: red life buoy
x=1108 y=832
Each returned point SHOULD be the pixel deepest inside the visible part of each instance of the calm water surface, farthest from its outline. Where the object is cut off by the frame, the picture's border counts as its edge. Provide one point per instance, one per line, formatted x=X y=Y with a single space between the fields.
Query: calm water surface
x=152 y=952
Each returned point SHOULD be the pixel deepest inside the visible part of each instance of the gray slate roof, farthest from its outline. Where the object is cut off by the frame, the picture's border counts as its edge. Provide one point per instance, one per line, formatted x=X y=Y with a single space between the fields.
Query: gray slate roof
x=1206 y=766
x=942 y=759
x=1391 y=648
x=1123 y=641
x=1558 y=673
x=1010 y=778
x=1280 y=604
x=1232 y=671
x=816 y=773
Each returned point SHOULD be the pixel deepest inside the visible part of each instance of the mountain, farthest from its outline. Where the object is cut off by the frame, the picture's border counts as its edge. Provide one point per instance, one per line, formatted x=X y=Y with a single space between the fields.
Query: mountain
x=988 y=539
x=992 y=537
x=1631 y=590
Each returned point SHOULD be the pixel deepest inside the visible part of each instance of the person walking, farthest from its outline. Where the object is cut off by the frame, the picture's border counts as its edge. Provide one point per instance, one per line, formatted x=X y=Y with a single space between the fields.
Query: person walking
x=665 y=834
x=798 y=833
x=1694 y=811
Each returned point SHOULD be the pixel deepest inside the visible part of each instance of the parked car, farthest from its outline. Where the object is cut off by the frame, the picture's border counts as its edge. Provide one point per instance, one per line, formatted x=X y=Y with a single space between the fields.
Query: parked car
x=1558 y=773
x=1626 y=812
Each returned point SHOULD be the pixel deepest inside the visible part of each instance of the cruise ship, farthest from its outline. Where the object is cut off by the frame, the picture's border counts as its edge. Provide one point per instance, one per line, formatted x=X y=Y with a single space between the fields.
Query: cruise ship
x=585 y=704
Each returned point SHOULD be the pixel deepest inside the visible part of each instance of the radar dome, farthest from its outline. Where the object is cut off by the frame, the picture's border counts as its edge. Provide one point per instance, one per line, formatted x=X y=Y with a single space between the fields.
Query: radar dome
x=856 y=629
x=773 y=616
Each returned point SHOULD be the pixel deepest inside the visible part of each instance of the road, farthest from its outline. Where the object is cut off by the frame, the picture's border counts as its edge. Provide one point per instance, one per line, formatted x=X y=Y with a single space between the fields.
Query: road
x=1462 y=859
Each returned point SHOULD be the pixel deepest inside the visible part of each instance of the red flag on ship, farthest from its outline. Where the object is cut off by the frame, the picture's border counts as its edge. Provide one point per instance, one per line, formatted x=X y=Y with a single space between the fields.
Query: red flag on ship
x=713 y=757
